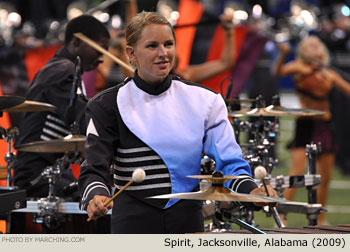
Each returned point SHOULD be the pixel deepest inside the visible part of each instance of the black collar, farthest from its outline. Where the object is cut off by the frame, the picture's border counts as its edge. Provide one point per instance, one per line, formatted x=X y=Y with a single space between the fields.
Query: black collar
x=63 y=53
x=152 y=89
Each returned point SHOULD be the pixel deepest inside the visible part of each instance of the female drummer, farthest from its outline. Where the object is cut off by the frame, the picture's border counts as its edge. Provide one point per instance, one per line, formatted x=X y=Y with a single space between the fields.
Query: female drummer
x=313 y=82
x=161 y=124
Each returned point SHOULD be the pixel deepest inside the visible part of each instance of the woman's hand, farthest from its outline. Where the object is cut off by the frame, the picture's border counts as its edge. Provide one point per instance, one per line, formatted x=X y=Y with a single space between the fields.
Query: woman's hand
x=262 y=192
x=96 y=206
x=226 y=21
x=284 y=48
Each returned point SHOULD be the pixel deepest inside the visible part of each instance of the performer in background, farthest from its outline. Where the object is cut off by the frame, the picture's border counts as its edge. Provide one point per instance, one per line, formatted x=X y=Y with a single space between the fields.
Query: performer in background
x=313 y=82
x=161 y=124
x=209 y=69
x=53 y=85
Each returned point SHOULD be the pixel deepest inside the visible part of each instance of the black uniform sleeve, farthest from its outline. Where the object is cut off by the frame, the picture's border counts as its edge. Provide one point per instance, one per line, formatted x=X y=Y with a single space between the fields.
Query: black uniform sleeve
x=244 y=185
x=102 y=138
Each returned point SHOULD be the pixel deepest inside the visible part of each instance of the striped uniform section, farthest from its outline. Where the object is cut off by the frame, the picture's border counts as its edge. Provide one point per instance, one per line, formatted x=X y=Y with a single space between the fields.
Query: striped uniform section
x=127 y=160
x=54 y=127
x=88 y=189
x=238 y=184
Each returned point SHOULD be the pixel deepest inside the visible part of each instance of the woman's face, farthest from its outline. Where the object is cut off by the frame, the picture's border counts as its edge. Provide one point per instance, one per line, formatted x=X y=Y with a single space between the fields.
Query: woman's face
x=154 y=53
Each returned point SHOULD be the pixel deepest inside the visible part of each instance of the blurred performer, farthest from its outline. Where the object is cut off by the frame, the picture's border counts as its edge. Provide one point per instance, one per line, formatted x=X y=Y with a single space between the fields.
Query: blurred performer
x=153 y=121
x=53 y=85
x=313 y=81
x=209 y=69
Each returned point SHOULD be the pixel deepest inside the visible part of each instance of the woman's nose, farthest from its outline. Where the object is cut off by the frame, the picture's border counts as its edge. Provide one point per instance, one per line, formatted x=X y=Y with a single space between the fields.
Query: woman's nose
x=162 y=52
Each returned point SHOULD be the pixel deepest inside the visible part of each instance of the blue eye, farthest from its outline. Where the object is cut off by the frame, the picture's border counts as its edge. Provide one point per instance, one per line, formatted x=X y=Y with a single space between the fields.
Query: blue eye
x=151 y=46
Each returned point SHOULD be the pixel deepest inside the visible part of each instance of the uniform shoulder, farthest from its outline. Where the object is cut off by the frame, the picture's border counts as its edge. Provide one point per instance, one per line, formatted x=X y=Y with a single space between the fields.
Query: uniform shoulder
x=109 y=93
x=194 y=84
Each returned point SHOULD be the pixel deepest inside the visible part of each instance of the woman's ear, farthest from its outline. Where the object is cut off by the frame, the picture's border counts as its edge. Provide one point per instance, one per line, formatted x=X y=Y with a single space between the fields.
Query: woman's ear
x=130 y=52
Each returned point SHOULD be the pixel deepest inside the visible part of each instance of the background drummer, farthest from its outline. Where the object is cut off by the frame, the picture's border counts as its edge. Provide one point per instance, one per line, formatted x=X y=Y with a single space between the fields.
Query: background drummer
x=313 y=82
x=53 y=85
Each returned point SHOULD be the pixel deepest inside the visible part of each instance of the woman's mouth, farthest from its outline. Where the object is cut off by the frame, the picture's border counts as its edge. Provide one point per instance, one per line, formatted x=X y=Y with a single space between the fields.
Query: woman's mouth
x=162 y=64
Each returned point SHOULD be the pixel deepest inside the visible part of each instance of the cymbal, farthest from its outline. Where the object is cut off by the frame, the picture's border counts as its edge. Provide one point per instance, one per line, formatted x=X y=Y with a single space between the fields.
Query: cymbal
x=294 y=111
x=253 y=112
x=70 y=143
x=31 y=106
x=239 y=101
x=219 y=194
x=8 y=101
x=217 y=180
x=276 y=111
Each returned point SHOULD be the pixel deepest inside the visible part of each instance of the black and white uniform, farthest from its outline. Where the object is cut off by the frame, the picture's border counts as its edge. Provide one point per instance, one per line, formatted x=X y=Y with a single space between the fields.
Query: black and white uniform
x=164 y=130
x=53 y=85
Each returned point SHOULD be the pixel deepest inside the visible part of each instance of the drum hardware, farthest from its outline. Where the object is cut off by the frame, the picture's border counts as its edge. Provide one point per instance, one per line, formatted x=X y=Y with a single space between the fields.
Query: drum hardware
x=227 y=216
x=280 y=182
x=207 y=165
x=64 y=207
x=49 y=215
x=9 y=136
x=311 y=154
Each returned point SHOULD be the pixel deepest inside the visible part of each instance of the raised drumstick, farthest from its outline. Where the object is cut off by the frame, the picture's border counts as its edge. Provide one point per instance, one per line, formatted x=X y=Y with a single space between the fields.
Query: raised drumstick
x=96 y=46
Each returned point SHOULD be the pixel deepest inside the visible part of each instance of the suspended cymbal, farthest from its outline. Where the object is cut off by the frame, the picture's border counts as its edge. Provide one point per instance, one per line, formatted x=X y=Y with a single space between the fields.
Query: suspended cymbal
x=239 y=101
x=219 y=194
x=31 y=106
x=217 y=180
x=8 y=101
x=276 y=111
x=71 y=143
x=294 y=111
x=253 y=112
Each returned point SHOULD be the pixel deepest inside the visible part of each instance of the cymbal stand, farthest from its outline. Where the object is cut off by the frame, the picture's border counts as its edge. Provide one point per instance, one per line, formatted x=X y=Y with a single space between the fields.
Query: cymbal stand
x=50 y=216
x=227 y=216
x=9 y=136
x=311 y=154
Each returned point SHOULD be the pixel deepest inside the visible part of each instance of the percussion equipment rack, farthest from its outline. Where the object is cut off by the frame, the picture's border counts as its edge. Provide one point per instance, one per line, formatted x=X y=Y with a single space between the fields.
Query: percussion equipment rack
x=64 y=207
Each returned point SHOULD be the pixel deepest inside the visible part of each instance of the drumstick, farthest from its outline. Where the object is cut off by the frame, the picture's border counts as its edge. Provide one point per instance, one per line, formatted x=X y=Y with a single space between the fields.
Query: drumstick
x=137 y=176
x=103 y=51
x=260 y=173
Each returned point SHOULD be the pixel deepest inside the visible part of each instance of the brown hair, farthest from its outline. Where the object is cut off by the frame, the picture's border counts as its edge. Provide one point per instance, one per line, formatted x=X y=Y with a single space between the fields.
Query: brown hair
x=138 y=22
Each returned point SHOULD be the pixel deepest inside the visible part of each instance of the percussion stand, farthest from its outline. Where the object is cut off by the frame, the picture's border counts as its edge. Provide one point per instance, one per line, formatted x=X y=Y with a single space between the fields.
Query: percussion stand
x=227 y=216
x=49 y=206
x=9 y=135
x=311 y=154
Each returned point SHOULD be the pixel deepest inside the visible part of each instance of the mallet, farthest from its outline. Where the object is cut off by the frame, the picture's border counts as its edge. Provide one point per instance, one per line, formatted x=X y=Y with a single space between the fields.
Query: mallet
x=137 y=176
x=260 y=173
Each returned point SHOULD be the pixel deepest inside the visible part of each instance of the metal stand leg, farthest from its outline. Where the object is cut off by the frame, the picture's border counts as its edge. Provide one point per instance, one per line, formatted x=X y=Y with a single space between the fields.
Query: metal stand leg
x=311 y=154
x=227 y=216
